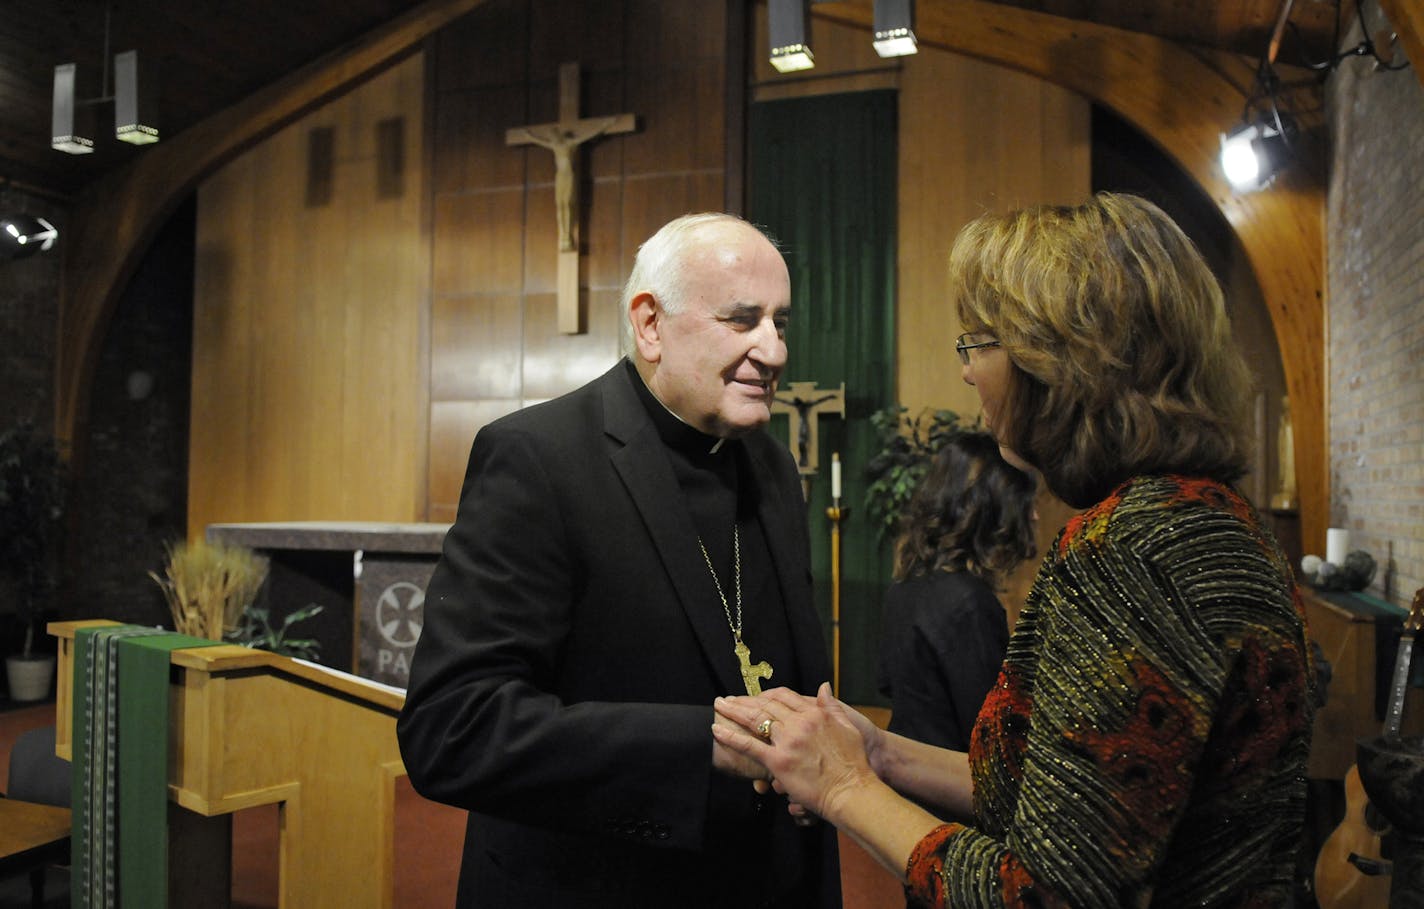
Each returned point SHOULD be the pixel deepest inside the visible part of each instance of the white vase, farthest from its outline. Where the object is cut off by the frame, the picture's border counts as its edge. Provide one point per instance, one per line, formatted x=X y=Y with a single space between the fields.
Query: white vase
x=29 y=677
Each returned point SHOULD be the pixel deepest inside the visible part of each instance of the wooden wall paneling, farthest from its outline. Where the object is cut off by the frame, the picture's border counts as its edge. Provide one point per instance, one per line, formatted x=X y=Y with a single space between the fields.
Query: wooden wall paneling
x=331 y=297
x=651 y=201
x=603 y=243
x=680 y=115
x=386 y=301
x=222 y=338
x=115 y=219
x=556 y=363
x=475 y=346
x=676 y=85
x=469 y=151
x=474 y=249
x=274 y=254
x=485 y=48
x=1182 y=102
x=453 y=425
x=304 y=413
x=540 y=237
x=974 y=138
x=590 y=33
x=673 y=35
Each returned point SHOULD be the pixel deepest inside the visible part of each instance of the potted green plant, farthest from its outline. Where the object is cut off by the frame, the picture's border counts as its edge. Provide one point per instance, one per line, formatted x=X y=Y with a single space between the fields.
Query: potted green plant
x=32 y=485
x=907 y=446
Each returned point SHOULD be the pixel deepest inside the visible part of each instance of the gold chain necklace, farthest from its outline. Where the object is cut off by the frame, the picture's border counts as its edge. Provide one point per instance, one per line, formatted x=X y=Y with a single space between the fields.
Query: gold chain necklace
x=752 y=673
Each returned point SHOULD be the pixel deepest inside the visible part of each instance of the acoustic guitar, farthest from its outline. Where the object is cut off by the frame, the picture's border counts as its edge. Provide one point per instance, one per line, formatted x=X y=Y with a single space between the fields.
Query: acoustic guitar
x=1350 y=870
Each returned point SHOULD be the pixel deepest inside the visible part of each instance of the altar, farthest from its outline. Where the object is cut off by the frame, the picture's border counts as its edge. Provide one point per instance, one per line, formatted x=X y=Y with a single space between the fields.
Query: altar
x=369 y=578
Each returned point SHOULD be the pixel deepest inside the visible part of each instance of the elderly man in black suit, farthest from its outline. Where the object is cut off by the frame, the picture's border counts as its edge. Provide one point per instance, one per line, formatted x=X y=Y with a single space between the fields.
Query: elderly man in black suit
x=622 y=556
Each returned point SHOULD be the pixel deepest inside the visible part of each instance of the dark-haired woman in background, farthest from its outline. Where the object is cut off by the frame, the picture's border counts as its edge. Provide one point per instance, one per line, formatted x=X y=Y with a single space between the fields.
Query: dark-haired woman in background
x=967 y=527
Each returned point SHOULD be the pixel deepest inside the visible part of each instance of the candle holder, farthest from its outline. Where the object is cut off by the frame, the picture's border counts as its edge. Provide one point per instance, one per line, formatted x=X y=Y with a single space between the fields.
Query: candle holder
x=836 y=513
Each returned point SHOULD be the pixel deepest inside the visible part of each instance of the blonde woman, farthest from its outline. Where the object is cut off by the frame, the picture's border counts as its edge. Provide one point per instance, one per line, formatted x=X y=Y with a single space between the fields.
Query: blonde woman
x=1146 y=741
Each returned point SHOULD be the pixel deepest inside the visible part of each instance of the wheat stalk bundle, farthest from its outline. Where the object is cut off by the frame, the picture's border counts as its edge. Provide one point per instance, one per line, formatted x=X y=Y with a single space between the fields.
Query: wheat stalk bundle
x=209 y=585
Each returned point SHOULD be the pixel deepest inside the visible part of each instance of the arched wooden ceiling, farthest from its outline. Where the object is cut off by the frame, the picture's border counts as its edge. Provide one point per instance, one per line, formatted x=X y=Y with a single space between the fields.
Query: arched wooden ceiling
x=1183 y=102
x=1175 y=96
x=115 y=218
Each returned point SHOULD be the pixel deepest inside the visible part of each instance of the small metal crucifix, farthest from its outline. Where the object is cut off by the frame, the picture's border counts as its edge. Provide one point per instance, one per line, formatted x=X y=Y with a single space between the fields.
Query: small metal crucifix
x=752 y=673
x=563 y=138
x=803 y=403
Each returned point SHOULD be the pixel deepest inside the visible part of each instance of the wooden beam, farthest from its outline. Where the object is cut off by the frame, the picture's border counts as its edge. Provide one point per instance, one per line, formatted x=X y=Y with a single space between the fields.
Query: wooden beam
x=1182 y=102
x=113 y=222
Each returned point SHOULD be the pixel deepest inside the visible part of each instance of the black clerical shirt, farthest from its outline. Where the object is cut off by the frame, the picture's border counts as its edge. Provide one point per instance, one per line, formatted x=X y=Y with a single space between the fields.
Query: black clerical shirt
x=717 y=491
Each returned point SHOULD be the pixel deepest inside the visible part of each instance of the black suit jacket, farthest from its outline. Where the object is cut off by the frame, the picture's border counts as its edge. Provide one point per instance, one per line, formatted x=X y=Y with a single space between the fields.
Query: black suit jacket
x=562 y=685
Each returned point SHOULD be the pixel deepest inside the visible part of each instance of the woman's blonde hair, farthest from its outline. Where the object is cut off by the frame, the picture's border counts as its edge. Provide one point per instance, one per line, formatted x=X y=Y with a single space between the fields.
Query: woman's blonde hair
x=1123 y=357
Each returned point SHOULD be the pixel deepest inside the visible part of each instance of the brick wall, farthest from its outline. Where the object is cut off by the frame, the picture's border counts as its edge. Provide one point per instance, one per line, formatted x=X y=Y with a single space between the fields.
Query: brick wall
x=129 y=497
x=29 y=303
x=1375 y=347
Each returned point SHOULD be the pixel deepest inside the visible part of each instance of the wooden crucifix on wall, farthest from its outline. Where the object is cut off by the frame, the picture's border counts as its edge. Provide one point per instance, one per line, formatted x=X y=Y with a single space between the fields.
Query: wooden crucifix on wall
x=803 y=403
x=564 y=137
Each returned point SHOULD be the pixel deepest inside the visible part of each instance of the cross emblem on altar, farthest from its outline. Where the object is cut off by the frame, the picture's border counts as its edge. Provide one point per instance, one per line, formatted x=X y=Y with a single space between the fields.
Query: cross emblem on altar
x=564 y=137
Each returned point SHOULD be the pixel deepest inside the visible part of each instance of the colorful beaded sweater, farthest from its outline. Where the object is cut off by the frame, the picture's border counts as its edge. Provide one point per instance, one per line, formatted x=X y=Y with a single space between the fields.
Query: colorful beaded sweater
x=1146 y=741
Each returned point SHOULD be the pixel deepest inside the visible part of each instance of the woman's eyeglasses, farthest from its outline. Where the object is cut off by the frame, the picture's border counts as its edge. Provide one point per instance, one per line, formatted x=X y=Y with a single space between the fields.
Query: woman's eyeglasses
x=965 y=343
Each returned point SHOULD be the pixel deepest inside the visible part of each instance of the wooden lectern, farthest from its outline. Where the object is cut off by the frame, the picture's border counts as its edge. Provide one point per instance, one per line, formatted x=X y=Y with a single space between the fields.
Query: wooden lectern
x=249 y=728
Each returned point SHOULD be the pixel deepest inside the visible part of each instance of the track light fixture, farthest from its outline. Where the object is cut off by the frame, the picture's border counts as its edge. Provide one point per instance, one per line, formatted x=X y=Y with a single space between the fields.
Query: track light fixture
x=1254 y=153
x=25 y=235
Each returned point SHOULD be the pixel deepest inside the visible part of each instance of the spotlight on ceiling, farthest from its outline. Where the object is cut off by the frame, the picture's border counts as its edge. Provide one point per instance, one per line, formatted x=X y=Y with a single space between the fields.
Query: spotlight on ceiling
x=789 y=28
x=1254 y=153
x=895 y=28
x=25 y=235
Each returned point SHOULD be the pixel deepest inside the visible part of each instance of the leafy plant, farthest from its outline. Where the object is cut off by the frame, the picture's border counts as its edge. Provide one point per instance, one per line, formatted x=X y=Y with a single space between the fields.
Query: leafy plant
x=907 y=446
x=255 y=630
x=208 y=586
x=32 y=486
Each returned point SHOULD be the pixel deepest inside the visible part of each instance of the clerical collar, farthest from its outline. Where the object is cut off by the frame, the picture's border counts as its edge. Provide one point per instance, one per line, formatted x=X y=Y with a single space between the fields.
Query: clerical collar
x=675 y=432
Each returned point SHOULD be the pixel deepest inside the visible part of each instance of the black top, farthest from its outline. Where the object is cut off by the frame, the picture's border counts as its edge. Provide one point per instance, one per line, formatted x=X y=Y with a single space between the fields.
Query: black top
x=943 y=640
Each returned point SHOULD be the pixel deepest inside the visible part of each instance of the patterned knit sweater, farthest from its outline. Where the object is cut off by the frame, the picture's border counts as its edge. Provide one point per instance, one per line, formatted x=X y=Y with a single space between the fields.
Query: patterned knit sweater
x=1146 y=741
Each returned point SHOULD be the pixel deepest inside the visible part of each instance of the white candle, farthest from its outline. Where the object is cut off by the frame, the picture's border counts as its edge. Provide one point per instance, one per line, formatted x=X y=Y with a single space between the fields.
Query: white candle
x=1337 y=545
x=835 y=475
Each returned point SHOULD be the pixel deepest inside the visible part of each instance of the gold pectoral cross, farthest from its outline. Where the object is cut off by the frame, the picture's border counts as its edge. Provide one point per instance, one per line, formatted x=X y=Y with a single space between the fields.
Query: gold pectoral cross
x=751 y=672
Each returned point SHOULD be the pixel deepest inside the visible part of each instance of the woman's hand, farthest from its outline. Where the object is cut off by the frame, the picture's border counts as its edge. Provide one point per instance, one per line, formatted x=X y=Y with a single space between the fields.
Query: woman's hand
x=813 y=748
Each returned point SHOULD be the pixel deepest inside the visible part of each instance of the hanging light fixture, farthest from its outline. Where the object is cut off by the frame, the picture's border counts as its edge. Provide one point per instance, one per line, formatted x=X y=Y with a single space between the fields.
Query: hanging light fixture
x=135 y=100
x=135 y=103
x=789 y=28
x=895 y=28
x=71 y=121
